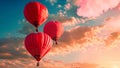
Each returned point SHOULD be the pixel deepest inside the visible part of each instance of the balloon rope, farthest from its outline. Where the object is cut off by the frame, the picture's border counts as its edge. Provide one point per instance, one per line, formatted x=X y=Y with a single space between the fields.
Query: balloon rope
x=56 y=42
x=38 y=64
x=36 y=29
x=36 y=25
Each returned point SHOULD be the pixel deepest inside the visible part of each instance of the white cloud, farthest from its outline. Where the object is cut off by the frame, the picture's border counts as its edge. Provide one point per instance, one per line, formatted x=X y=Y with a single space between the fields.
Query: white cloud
x=52 y=1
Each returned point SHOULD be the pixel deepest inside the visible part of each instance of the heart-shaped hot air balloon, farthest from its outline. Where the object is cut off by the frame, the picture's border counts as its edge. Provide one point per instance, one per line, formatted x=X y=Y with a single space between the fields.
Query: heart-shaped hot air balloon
x=38 y=45
x=54 y=29
x=36 y=13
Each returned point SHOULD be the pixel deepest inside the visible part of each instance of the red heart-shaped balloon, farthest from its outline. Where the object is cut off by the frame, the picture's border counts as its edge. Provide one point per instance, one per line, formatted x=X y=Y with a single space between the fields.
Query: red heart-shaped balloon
x=38 y=44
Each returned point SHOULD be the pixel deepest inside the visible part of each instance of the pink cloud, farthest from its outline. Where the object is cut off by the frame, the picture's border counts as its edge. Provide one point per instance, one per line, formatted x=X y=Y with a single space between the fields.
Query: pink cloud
x=113 y=22
x=94 y=8
x=112 y=38
x=118 y=7
x=68 y=6
x=6 y=54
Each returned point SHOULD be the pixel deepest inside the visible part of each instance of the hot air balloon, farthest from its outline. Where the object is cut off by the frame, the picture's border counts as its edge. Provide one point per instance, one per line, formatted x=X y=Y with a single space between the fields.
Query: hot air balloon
x=38 y=45
x=54 y=29
x=35 y=13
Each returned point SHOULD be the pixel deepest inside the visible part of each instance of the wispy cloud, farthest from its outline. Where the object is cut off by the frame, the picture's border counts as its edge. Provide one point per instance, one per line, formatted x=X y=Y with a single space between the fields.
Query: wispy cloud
x=26 y=28
x=68 y=21
x=81 y=36
x=52 y=2
x=44 y=64
x=12 y=48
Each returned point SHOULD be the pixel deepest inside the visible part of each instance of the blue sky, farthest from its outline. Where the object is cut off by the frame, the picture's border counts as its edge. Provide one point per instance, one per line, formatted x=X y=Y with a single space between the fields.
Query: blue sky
x=12 y=13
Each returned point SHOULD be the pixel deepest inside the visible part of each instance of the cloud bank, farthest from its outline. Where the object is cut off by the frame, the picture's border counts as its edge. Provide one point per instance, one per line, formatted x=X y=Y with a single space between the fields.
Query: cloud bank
x=97 y=40
x=24 y=63
x=93 y=8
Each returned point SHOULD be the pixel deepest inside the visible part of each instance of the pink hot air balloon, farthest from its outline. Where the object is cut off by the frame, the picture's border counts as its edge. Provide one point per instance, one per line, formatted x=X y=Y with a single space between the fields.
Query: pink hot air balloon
x=54 y=29
x=38 y=45
x=36 y=13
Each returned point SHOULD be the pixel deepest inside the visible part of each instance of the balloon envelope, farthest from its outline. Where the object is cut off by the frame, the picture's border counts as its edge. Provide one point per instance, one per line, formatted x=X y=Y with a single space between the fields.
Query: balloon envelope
x=54 y=29
x=36 y=13
x=38 y=44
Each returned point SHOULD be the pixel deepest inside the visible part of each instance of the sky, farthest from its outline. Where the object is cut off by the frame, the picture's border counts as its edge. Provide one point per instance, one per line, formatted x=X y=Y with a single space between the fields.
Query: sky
x=91 y=35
